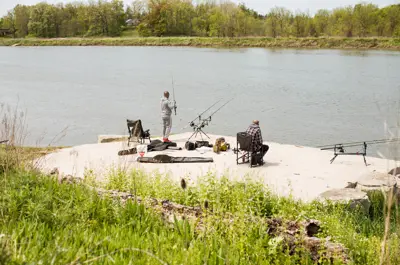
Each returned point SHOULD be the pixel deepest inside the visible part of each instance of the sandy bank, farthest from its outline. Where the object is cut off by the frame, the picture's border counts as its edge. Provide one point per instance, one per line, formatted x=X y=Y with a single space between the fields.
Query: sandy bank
x=303 y=172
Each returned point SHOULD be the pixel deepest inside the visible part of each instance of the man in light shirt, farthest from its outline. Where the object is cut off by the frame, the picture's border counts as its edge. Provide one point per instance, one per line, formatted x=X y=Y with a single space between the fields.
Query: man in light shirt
x=166 y=115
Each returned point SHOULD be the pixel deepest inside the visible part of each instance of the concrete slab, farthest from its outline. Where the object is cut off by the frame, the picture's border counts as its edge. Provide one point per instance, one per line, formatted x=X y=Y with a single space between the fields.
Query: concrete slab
x=300 y=171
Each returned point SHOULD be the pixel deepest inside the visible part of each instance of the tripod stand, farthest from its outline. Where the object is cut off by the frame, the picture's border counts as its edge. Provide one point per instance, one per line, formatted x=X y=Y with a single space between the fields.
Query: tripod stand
x=198 y=129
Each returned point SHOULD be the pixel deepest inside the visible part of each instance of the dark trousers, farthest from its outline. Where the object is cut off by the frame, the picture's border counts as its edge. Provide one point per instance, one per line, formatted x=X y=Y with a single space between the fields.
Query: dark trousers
x=264 y=149
x=258 y=156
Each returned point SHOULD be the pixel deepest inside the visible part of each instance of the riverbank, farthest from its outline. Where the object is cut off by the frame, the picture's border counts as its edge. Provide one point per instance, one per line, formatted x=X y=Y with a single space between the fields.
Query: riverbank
x=313 y=43
x=289 y=171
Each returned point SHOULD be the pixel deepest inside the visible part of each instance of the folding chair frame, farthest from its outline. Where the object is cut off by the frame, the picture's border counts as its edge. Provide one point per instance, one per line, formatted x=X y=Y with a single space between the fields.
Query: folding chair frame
x=143 y=134
x=246 y=156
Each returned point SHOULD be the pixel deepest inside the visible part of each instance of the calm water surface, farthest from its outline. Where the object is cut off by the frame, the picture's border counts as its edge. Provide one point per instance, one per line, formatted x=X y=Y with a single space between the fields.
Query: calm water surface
x=306 y=97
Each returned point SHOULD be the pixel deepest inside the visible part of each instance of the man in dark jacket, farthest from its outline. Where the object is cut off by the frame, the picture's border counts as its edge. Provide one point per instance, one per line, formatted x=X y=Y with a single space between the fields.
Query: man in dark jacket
x=256 y=139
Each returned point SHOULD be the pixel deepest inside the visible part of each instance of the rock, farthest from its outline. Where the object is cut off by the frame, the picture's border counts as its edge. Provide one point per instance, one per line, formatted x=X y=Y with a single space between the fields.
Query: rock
x=55 y=171
x=68 y=179
x=312 y=227
x=112 y=138
x=351 y=185
x=395 y=171
x=376 y=181
x=301 y=236
x=353 y=197
x=131 y=151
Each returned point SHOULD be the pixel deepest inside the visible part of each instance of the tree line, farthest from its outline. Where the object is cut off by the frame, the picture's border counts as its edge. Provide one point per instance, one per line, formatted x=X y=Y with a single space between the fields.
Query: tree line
x=206 y=19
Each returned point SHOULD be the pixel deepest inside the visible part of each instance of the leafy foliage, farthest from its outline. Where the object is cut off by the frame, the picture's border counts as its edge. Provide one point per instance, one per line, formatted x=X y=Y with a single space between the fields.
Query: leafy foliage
x=205 y=19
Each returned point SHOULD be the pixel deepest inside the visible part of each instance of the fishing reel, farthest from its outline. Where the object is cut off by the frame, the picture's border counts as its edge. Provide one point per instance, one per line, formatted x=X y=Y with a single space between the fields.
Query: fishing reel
x=201 y=124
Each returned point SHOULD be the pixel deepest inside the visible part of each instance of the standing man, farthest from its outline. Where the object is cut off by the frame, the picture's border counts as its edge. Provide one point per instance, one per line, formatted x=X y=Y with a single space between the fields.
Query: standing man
x=166 y=112
x=256 y=139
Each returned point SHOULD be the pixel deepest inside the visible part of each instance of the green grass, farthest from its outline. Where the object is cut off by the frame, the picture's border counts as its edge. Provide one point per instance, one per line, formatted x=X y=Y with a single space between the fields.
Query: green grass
x=50 y=223
x=130 y=39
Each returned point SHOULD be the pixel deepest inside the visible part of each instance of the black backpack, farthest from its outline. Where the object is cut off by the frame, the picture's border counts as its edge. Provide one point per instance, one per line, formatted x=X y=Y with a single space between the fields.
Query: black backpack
x=190 y=146
x=199 y=144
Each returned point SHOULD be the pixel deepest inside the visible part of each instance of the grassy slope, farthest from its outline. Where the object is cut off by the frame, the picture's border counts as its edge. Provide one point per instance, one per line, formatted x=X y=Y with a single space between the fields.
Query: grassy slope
x=43 y=221
x=332 y=43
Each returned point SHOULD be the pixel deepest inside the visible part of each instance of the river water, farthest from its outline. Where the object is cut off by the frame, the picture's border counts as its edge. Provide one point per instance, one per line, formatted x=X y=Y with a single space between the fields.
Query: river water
x=304 y=97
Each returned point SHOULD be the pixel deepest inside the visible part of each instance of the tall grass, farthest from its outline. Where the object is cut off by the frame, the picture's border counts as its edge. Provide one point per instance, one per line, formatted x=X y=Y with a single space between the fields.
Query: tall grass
x=13 y=129
x=45 y=222
x=68 y=224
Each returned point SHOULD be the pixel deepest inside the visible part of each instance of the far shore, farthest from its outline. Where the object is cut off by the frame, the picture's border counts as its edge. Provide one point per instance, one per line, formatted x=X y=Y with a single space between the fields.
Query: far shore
x=249 y=42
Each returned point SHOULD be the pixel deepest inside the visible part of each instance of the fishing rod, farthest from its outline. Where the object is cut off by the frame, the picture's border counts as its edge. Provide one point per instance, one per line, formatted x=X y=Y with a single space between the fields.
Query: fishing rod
x=204 y=122
x=339 y=149
x=221 y=107
x=351 y=144
x=198 y=128
x=173 y=94
x=191 y=123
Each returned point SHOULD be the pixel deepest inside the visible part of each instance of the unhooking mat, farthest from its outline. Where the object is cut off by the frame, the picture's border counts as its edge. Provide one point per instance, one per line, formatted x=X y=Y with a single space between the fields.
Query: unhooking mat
x=171 y=159
x=155 y=145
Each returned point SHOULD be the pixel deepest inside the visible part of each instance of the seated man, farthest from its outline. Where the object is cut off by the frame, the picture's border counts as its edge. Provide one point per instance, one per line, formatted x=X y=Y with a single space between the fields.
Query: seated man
x=257 y=141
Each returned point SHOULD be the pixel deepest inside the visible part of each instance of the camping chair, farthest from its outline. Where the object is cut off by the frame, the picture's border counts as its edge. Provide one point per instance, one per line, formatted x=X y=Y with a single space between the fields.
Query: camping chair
x=135 y=130
x=243 y=145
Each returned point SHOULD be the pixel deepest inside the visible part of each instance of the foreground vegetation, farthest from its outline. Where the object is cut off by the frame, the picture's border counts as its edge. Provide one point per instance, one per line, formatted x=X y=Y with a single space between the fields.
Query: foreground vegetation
x=205 y=19
x=45 y=222
x=324 y=43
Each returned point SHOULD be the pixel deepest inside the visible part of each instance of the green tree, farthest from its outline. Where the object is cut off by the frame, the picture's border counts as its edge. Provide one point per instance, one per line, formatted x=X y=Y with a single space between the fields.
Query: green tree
x=380 y=23
x=364 y=18
x=22 y=14
x=321 y=22
x=217 y=21
x=201 y=21
x=71 y=24
x=273 y=24
x=41 y=22
x=393 y=18
x=9 y=22
x=343 y=22
x=301 y=24
x=204 y=18
x=282 y=17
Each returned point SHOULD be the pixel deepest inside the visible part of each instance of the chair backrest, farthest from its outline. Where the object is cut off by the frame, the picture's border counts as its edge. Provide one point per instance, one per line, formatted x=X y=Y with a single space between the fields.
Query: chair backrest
x=244 y=141
x=135 y=128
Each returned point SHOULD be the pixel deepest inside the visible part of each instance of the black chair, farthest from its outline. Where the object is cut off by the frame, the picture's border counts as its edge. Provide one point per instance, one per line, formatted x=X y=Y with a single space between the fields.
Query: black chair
x=243 y=146
x=135 y=130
